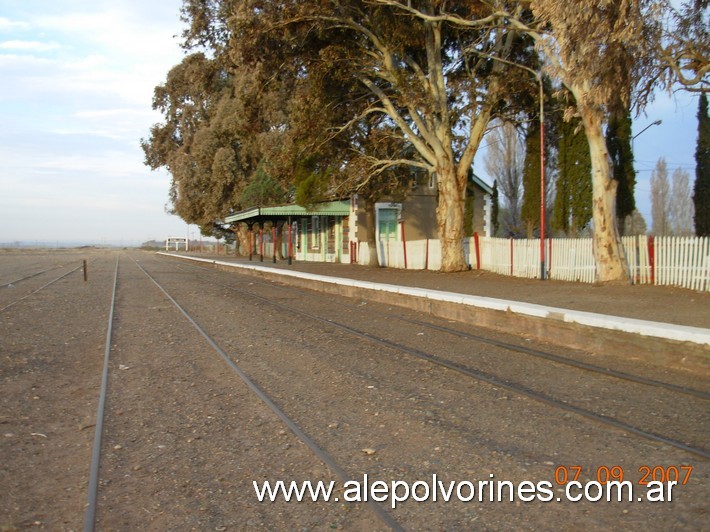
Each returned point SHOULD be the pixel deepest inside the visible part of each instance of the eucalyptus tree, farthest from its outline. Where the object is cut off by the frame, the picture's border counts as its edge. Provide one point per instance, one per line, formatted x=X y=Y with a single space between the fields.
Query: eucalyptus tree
x=434 y=83
x=598 y=50
x=684 y=50
x=221 y=122
x=186 y=144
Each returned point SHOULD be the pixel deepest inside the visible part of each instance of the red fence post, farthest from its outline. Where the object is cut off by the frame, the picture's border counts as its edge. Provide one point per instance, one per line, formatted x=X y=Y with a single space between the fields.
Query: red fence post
x=478 y=250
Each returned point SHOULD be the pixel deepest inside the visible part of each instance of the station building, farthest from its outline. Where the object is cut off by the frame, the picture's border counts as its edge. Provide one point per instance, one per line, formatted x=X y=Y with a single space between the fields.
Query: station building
x=334 y=231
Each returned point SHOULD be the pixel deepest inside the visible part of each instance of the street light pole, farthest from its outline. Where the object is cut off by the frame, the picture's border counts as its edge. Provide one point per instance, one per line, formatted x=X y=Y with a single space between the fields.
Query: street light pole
x=654 y=123
x=538 y=77
x=542 y=178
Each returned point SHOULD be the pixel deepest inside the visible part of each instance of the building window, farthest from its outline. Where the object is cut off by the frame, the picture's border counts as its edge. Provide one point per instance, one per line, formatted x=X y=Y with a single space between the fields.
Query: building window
x=387 y=223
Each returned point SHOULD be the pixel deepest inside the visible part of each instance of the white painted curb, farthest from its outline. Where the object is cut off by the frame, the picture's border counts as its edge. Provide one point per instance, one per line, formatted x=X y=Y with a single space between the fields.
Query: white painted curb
x=656 y=329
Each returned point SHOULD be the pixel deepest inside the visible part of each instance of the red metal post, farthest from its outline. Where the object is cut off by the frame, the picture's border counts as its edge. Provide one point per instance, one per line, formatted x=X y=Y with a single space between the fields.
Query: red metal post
x=273 y=241
x=290 y=242
x=251 y=242
x=261 y=244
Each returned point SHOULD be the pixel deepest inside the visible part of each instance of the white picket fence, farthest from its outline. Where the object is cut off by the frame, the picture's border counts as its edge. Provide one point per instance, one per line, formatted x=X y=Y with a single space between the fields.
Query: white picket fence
x=683 y=261
x=667 y=261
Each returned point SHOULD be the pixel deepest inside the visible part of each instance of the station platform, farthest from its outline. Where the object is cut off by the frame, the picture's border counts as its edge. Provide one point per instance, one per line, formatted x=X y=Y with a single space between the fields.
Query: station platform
x=671 y=324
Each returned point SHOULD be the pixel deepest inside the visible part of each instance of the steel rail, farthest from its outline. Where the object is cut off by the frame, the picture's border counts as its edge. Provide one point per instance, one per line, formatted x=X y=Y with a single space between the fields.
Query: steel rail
x=522 y=349
x=40 y=288
x=564 y=360
x=518 y=388
x=93 y=489
x=28 y=277
x=292 y=426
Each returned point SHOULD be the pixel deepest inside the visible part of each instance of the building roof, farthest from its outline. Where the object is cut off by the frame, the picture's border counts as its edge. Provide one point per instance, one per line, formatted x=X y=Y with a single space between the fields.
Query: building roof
x=260 y=214
x=481 y=183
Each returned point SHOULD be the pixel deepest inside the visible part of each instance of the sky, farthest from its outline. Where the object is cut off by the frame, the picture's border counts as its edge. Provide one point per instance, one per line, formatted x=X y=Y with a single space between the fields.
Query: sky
x=674 y=139
x=75 y=100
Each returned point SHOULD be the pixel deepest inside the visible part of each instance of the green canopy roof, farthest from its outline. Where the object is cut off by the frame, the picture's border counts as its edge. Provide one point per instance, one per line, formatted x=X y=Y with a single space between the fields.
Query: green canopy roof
x=256 y=214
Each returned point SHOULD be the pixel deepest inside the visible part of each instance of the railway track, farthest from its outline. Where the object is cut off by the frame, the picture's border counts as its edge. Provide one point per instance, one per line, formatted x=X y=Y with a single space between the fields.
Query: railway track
x=18 y=280
x=538 y=353
x=497 y=380
x=211 y=380
x=35 y=291
x=93 y=487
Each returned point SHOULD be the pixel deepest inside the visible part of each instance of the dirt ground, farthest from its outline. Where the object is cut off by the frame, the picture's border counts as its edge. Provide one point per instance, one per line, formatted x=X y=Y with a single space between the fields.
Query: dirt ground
x=184 y=437
x=655 y=303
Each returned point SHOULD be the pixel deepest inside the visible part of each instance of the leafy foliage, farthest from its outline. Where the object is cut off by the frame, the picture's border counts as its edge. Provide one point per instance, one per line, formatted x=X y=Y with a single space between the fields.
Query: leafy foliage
x=530 y=212
x=318 y=99
x=618 y=141
x=573 y=203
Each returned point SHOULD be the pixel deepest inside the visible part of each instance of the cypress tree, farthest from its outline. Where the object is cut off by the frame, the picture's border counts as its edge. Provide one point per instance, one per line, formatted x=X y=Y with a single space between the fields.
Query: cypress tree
x=530 y=211
x=573 y=202
x=618 y=141
x=701 y=190
x=495 y=209
x=469 y=205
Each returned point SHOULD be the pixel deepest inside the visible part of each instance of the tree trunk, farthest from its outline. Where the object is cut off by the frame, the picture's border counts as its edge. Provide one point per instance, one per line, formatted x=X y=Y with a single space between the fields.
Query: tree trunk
x=608 y=251
x=278 y=245
x=241 y=231
x=450 y=217
x=371 y=232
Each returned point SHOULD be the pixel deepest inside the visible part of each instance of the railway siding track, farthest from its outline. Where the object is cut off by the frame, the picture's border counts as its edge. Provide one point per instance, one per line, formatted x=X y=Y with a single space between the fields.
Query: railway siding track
x=190 y=434
x=14 y=302
x=572 y=329
x=49 y=375
x=384 y=336
x=378 y=367
x=184 y=436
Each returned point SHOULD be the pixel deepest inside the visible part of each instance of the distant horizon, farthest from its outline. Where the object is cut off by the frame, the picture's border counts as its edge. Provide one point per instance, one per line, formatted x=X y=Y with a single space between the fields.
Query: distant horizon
x=78 y=242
